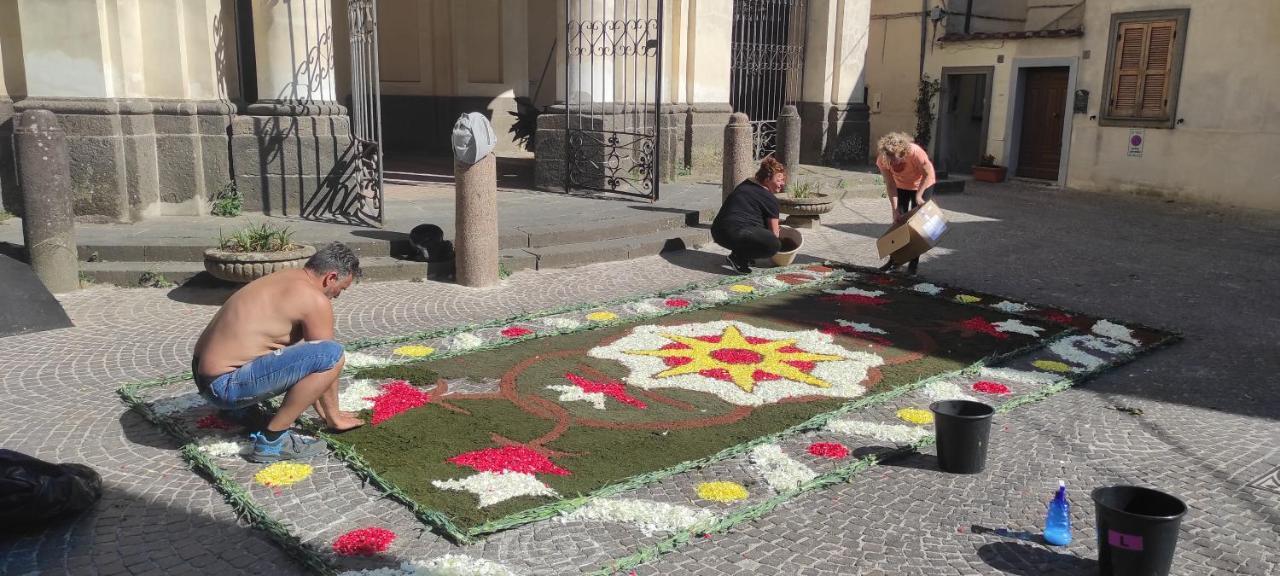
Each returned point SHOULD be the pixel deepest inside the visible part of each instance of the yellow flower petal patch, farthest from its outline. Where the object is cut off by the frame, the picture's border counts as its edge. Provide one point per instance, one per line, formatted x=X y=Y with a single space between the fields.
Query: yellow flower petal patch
x=414 y=351
x=282 y=474
x=967 y=299
x=722 y=491
x=1052 y=366
x=742 y=288
x=915 y=416
x=601 y=316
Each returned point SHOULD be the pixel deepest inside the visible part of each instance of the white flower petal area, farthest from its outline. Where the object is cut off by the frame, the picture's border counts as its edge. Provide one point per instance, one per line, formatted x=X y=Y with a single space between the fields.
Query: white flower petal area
x=1012 y=307
x=465 y=341
x=176 y=404
x=643 y=309
x=562 y=323
x=362 y=360
x=713 y=295
x=1073 y=349
x=1109 y=329
x=570 y=393
x=927 y=288
x=855 y=291
x=447 y=565
x=219 y=447
x=862 y=327
x=780 y=470
x=1015 y=376
x=494 y=487
x=772 y=282
x=755 y=366
x=650 y=516
x=940 y=391
x=899 y=434
x=359 y=395
x=1015 y=326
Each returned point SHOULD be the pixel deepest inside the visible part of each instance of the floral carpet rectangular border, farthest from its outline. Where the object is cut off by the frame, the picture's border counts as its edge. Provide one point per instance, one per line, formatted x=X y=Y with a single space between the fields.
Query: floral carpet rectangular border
x=652 y=371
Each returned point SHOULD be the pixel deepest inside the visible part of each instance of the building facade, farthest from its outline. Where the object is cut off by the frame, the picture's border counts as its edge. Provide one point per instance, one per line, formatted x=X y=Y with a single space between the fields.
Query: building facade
x=168 y=103
x=1177 y=99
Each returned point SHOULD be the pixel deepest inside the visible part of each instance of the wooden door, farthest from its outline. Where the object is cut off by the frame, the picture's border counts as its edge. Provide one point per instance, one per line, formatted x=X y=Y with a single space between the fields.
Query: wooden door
x=1043 y=104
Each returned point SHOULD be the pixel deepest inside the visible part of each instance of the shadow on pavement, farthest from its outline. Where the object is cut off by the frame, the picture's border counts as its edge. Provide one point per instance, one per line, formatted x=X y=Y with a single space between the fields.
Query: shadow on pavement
x=1031 y=560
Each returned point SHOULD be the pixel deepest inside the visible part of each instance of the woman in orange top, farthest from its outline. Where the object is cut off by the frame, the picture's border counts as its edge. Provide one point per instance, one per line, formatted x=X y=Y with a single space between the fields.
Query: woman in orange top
x=908 y=180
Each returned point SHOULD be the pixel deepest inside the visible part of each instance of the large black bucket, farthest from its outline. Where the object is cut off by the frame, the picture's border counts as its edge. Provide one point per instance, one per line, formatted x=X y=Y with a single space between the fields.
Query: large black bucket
x=1137 y=530
x=963 y=428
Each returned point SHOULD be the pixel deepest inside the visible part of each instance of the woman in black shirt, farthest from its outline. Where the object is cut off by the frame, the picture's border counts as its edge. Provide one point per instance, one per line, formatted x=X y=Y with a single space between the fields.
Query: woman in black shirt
x=747 y=223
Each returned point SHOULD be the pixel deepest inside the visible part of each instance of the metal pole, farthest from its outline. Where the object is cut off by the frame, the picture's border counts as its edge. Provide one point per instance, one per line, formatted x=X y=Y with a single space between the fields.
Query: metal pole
x=657 y=143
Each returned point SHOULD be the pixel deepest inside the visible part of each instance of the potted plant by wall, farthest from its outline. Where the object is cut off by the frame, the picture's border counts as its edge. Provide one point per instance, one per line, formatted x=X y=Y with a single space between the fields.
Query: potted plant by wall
x=804 y=203
x=254 y=252
x=988 y=171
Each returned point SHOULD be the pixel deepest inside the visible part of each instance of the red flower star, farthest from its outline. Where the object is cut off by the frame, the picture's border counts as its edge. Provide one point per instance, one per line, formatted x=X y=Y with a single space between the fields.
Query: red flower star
x=516 y=332
x=395 y=398
x=982 y=326
x=364 y=542
x=832 y=450
x=614 y=390
x=989 y=387
x=508 y=459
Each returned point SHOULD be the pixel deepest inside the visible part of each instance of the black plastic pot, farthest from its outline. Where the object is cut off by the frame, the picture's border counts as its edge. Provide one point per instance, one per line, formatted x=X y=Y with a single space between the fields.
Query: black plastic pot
x=1137 y=530
x=963 y=428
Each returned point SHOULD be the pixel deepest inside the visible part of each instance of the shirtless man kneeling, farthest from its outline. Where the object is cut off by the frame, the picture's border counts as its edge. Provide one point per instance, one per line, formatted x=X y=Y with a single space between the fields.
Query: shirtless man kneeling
x=275 y=336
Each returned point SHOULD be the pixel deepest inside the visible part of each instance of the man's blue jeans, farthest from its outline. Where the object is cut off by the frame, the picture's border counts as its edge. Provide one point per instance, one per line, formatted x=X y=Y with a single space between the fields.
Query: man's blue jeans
x=269 y=375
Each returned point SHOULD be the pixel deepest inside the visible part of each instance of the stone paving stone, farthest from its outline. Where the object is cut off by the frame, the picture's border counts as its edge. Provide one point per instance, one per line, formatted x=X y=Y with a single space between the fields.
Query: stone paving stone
x=1207 y=427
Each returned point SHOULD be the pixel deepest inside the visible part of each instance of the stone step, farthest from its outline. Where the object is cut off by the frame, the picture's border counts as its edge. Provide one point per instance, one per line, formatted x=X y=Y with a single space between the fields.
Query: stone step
x=385 y=268
x=384 y=243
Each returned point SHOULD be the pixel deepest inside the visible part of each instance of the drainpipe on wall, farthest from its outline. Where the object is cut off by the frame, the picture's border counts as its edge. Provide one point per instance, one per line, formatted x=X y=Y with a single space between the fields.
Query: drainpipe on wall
x=924 y=32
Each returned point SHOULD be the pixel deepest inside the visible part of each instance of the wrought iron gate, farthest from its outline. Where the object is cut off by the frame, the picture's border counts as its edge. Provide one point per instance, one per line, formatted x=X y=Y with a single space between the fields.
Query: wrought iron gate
x=767 y=63
x=366 y=108
x=613 y=75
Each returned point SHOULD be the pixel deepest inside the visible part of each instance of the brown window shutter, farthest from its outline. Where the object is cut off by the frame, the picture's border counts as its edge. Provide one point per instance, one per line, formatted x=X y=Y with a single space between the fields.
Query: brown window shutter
x=1155 y=74
x=1127 y=76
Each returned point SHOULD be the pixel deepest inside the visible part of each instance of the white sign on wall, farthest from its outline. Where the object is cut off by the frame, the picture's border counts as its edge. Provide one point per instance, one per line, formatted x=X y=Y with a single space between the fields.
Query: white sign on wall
x=1136 y=137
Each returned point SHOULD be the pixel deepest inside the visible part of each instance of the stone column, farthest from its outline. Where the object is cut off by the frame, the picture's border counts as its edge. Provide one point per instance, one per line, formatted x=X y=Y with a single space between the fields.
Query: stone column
x=476 y=222
x=739 y=156
x=48 y=223
x=788 y=137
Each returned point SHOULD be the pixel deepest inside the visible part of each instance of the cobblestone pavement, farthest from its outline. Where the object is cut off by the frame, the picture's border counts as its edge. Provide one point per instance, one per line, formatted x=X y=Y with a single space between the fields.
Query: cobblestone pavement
x=1206 y=430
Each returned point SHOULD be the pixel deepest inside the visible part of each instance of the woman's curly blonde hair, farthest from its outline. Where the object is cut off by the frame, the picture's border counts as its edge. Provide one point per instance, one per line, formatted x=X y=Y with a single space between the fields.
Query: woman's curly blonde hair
x=895 y=144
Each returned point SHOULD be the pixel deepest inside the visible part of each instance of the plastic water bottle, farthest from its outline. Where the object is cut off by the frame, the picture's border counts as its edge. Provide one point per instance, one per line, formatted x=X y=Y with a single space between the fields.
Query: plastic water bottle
x=1057 y=524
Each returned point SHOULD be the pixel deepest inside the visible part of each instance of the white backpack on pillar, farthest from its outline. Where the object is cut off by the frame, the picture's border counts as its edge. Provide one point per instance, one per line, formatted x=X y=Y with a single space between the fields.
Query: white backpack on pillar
x=473 y=138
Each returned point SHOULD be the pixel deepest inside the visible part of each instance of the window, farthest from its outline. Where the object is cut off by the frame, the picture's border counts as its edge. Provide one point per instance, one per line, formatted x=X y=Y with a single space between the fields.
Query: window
x=1143 y=66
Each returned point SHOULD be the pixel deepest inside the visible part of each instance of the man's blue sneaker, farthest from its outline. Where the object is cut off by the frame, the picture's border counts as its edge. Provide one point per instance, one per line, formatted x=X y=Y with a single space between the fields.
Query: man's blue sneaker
x=289 y=446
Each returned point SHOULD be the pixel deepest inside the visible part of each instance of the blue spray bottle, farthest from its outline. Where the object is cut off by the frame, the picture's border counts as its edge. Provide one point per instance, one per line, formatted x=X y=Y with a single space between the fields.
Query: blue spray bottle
x=1057 y=524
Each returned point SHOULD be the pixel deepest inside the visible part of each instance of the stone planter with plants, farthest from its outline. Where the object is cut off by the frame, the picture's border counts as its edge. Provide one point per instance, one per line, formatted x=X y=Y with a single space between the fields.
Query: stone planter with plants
x=988 y=171
x=253 y=252
x=804 y=203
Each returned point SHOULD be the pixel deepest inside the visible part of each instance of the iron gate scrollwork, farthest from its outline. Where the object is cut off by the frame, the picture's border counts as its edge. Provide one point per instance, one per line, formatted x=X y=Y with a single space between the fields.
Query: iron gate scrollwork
x=767 y=63
x=613 y=74
x=366 y=107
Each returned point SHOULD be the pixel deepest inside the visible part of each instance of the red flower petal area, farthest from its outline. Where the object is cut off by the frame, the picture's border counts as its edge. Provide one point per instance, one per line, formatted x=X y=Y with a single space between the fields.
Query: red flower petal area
x=676 y=303
x=979 y=324
x=508 y=459
x=395 y=398
x=989 y=387
x=882 y=280
x=1057 y=316
x=516 y=332
x=213 y=422
x=364 y=542
x=614 y=390
x=842 y=330
x=736 y=356
x=832 y=450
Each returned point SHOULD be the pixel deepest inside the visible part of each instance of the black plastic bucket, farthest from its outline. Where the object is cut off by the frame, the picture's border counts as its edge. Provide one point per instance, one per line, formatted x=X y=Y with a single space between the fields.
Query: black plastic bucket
x=1137 y=530
x=963 y=428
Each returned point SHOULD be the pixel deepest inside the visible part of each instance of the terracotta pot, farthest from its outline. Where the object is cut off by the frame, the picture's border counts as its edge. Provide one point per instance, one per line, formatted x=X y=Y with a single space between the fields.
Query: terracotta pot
x=989 y=173
x=810 y=206
x=249 y=266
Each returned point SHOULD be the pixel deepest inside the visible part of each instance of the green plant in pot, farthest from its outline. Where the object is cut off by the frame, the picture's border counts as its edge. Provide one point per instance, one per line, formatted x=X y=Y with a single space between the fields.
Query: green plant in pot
x=255 y=251
x=988 y=171
x=804 y=202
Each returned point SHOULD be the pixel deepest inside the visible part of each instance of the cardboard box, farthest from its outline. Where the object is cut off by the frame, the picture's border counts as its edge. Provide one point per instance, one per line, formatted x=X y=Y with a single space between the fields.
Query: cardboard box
x=907 y=241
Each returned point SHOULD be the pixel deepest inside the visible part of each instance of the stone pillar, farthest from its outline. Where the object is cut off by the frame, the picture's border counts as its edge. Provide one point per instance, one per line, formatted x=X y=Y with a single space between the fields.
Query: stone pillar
x=476 y=222
x=788 y=137
x=739 y=155
x=48 y=223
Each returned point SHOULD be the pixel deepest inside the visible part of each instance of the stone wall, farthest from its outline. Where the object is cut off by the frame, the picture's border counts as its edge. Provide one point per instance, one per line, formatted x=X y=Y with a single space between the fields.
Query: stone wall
x=834 y=135
x=10 y=196
x=291 y=159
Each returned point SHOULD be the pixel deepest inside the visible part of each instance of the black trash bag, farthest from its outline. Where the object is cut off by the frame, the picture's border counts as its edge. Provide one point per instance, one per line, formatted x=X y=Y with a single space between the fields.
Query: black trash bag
x=32 y=490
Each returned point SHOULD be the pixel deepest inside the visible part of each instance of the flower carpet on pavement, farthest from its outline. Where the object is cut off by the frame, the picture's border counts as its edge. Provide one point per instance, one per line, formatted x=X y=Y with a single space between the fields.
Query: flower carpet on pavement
x=645 y=422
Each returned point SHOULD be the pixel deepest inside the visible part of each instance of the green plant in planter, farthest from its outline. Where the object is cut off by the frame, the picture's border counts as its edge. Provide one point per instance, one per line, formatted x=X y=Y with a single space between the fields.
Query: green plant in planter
x=257 y=238
x=988 y=160
x=524 y=131
x=228 y=202
x=805 y=189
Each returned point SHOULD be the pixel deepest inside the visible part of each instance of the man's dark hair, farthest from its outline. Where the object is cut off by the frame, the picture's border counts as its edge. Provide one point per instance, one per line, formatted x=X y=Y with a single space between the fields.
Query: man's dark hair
x=335 y=257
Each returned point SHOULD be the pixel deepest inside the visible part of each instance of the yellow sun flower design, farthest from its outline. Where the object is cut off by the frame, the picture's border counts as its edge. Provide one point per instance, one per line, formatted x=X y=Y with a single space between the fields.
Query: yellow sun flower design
x=741 y=359
x=967 y=299
x=742 y=288
x=282 y=474
x=601 y=316
x=414 y=351
x=722 y=491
